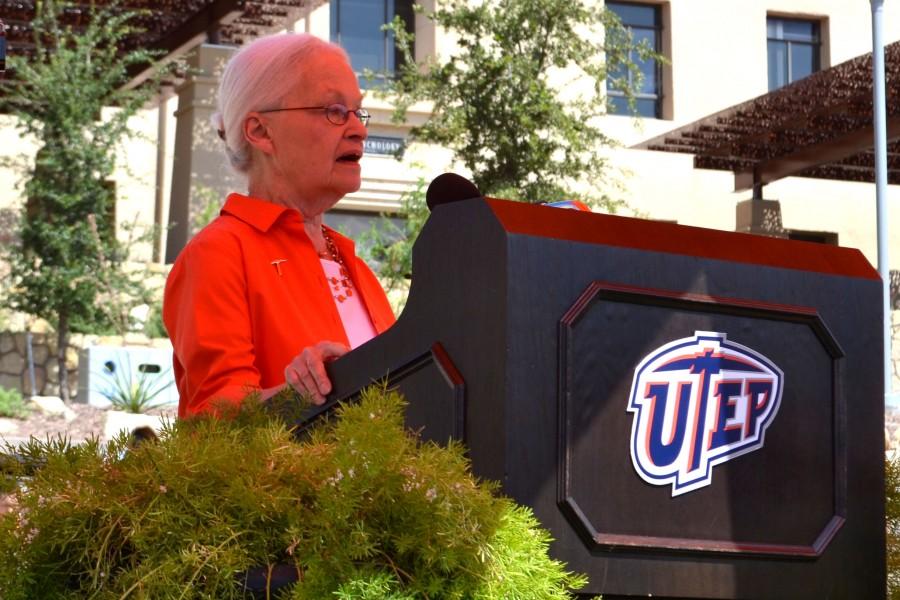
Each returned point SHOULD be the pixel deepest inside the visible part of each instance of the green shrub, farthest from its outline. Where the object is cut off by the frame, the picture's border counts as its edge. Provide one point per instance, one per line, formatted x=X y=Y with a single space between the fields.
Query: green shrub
x=154 y=326
x=12 y=404
x=359 y=506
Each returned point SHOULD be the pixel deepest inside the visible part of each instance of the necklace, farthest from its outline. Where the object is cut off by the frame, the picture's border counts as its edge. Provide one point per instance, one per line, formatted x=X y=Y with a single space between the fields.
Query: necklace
x=342 y=286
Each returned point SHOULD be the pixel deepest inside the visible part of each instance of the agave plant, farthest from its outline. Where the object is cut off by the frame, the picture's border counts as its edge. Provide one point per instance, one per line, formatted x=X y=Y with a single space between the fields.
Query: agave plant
x=130 y=392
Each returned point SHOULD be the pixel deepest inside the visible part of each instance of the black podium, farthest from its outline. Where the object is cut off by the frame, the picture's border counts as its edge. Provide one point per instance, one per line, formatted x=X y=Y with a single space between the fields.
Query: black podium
x=691 y=413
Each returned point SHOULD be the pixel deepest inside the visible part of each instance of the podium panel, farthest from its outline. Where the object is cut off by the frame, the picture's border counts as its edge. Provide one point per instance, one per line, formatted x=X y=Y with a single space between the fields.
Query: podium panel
x=609 y=503
x=691 y=413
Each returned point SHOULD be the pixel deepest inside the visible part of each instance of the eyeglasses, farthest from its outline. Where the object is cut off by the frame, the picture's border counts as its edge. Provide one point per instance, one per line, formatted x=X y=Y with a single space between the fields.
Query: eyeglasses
x=338 y=114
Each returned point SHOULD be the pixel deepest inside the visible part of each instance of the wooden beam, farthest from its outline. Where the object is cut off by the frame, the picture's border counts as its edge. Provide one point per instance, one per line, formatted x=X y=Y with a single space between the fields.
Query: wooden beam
x=825 y=152
x=190 y=34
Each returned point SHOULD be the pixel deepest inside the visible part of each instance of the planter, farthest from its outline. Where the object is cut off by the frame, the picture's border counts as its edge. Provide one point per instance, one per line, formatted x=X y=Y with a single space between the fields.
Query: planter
x=104 y=370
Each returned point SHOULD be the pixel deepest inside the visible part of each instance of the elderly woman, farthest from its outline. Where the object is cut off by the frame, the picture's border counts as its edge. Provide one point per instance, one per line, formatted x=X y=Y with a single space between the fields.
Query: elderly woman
x=266 y=293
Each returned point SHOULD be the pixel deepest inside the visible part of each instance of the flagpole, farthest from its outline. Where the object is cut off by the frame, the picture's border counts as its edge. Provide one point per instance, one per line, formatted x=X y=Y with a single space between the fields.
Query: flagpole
x=878 y=97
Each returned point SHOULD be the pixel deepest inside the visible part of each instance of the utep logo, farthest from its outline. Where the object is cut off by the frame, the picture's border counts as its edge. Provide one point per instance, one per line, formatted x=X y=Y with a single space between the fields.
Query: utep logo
x=698 y=402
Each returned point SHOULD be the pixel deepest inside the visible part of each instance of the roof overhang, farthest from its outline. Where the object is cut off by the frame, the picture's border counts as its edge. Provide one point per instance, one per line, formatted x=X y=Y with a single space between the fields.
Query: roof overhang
x=173 y=27
x=820 y=127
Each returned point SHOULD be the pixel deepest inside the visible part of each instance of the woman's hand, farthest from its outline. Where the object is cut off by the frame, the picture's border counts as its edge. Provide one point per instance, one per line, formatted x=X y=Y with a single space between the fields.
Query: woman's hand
x=306 y=373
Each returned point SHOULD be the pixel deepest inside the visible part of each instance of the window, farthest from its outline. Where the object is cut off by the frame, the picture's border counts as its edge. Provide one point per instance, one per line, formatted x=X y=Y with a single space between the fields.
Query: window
x=644 y=21
x=819 y=237
x=356 y=26
x=794 y=48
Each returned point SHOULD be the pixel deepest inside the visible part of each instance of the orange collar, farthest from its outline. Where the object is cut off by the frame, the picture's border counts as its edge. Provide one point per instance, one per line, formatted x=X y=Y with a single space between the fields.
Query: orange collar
x=260 y=214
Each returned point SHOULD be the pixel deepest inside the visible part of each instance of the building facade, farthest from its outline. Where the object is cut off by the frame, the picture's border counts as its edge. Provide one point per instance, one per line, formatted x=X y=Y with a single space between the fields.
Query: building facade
x=717 y=54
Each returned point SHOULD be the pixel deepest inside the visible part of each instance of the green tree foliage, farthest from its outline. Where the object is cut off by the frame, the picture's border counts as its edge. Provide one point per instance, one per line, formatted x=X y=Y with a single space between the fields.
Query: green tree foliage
x=518 y=102
x=507 y=102
x=892 y=518
x=68 y=266
x=360 y=507
x=388 y=247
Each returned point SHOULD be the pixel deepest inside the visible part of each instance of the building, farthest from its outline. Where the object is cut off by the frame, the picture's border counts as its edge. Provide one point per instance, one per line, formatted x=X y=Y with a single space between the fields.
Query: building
x=718 y=54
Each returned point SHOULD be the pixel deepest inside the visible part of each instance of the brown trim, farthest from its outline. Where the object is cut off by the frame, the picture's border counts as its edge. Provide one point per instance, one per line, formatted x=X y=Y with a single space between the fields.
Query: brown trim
x=814 y=550
x=643 y=234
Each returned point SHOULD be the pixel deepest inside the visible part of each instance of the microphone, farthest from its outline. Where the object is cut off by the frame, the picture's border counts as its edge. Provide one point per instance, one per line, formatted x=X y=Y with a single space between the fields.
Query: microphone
x=450 y=187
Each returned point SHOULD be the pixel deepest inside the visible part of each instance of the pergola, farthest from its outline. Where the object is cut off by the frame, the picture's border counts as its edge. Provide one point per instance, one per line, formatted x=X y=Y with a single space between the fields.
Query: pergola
x=170 y=26
x=820 y=126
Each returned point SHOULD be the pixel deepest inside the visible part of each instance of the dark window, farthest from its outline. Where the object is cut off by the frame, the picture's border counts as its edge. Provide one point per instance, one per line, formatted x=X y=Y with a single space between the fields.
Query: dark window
x=356 y=26
x=819 y=237
x=794 y=49
x=646 y=26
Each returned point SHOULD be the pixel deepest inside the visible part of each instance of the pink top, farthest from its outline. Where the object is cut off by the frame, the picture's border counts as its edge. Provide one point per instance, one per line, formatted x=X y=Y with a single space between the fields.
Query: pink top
x=353 y=313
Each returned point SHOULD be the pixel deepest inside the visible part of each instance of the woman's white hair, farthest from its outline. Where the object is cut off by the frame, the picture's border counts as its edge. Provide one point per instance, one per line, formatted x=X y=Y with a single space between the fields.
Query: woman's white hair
x=258 y=77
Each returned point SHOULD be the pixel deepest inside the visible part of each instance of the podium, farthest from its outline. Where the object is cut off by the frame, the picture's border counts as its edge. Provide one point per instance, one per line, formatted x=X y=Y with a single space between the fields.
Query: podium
x=691 y=413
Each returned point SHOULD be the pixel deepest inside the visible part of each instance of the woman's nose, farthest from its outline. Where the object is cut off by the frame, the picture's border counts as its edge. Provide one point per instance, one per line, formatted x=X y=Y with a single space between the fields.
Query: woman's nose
x=355 y=127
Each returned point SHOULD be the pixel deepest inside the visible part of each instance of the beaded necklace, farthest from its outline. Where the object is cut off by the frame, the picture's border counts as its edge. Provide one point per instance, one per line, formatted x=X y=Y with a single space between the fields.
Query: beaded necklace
x=341 y=288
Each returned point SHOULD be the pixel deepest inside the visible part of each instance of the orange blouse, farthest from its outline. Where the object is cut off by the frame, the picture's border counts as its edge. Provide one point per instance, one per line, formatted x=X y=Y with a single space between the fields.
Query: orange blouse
x=246 y=295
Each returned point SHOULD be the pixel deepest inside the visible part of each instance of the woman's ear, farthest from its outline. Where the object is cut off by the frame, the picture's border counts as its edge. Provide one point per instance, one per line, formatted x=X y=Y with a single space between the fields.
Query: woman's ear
x=256 y=132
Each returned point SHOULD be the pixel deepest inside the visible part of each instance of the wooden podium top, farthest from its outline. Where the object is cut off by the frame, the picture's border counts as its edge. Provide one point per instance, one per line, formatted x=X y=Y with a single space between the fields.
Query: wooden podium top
x=657 y=236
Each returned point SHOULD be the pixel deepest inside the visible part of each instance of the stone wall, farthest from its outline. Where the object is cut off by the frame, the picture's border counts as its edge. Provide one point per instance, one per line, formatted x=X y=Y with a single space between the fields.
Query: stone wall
x=14 y=363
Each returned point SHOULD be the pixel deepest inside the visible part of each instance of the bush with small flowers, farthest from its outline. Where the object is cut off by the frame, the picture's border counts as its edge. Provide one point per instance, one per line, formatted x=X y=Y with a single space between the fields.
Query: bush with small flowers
x=359 y=507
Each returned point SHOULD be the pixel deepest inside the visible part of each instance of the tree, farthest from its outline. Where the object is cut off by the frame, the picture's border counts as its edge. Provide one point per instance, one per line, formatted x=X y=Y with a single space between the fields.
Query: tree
x=498 y=103
x=68 y=265
x=892 y=523
x=517 y=103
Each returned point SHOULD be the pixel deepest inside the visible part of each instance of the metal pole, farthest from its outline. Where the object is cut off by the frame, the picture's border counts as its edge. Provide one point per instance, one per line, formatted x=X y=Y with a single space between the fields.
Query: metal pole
x=162 y=134
x=30 y=357
x=878 y=97
x=2 y=49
